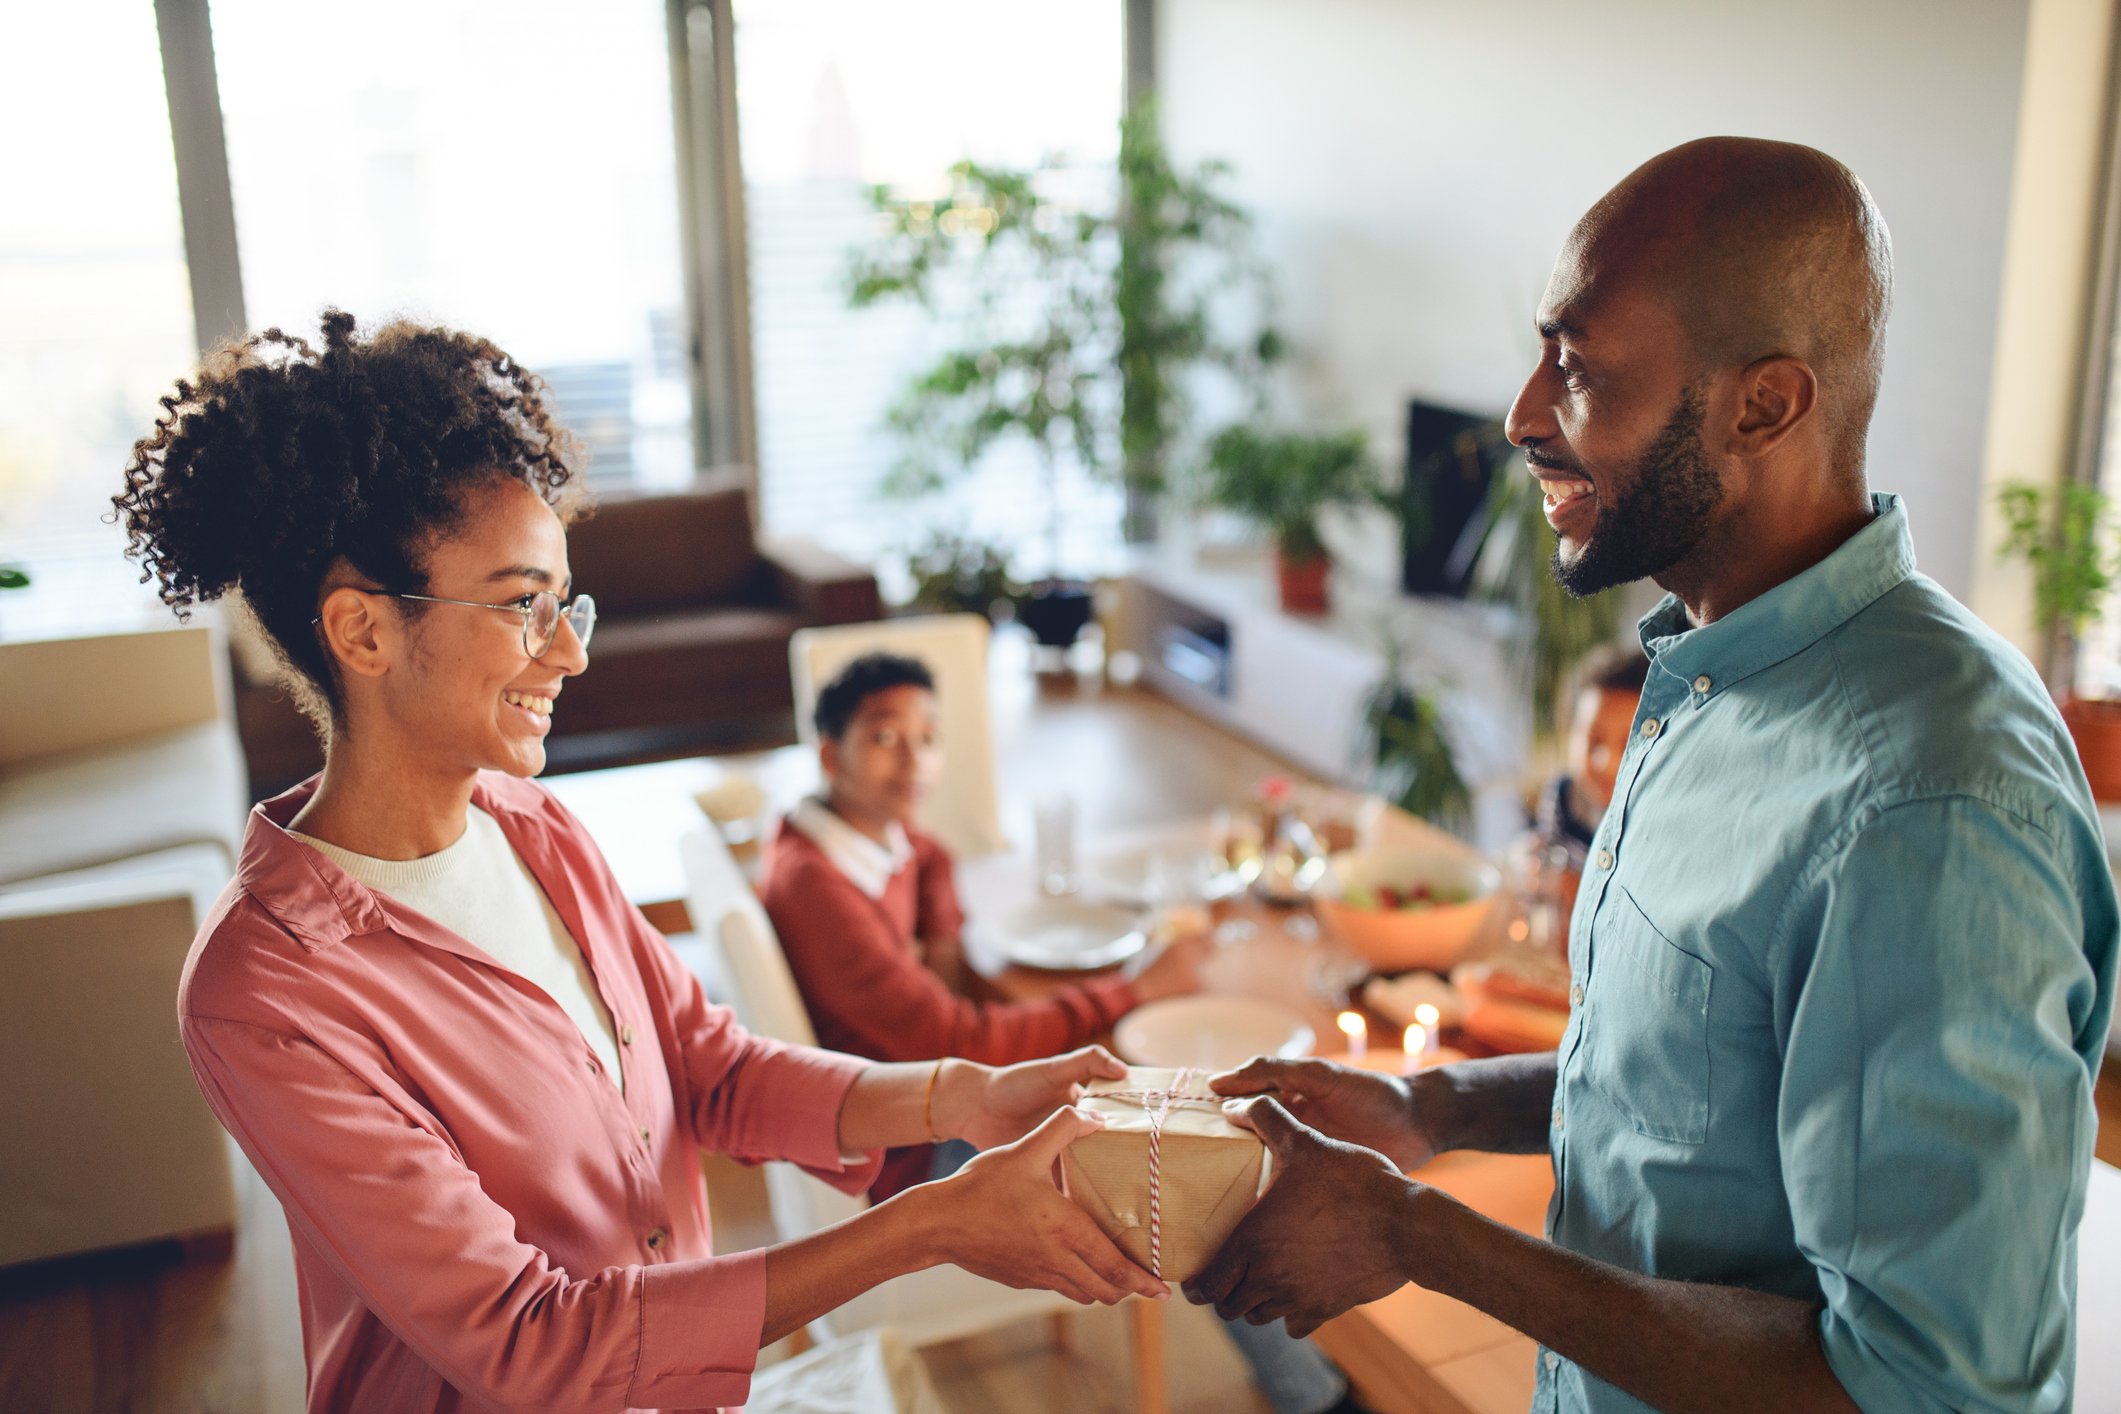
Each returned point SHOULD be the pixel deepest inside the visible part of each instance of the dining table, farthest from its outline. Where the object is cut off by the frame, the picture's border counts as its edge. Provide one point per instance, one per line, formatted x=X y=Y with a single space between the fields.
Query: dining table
x=1415 y=1351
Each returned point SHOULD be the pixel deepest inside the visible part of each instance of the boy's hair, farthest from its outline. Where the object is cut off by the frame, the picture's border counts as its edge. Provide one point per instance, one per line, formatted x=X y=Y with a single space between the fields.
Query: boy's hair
x=861 y=680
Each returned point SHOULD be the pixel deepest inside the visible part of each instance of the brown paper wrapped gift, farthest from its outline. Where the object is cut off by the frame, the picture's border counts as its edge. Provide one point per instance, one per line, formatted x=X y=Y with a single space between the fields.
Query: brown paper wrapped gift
x=1208 y=1172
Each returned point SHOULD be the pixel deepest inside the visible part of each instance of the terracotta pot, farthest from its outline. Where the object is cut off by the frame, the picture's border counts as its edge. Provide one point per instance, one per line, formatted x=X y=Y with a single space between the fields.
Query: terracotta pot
x=2095 y=725
x=1303 y=583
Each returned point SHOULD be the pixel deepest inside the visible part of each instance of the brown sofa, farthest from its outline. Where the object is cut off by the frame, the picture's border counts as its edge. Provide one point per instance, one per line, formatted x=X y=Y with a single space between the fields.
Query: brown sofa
x=691 y=649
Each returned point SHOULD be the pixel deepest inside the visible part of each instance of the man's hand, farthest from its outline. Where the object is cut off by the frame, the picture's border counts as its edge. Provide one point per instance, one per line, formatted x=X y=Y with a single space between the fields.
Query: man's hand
x=1360 y=1106
x=1002 y=1218
x=988 y=1105
x=1328 y=1236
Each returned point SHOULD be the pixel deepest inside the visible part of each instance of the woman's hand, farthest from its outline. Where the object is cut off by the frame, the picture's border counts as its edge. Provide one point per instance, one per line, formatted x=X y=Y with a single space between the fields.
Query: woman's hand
x=1002 y=1218
x=989 y=1105
x=1359 y=1106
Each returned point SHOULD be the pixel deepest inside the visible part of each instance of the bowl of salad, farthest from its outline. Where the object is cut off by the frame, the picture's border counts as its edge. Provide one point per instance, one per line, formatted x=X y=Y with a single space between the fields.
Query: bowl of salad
x=1403 y=909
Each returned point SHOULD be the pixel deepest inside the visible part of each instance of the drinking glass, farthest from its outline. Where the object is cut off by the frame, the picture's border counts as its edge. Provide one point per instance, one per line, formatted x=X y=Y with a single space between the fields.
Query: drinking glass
x=1053 y=852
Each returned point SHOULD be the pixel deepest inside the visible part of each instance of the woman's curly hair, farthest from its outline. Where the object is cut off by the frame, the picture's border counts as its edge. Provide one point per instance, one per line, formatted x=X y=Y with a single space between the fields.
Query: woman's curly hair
x=277 y=461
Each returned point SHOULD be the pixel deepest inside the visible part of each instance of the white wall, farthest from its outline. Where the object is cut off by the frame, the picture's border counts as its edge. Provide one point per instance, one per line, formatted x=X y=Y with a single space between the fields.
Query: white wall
x=1414 y=165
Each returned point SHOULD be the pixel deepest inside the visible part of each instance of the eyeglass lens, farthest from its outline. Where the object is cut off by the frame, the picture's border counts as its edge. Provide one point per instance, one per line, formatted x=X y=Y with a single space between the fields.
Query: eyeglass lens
x=543 y=625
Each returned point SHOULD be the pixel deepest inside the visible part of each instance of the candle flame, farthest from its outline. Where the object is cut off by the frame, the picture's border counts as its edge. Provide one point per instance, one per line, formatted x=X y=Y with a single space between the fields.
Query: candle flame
x=1350 y=1023
x=1427 y=1015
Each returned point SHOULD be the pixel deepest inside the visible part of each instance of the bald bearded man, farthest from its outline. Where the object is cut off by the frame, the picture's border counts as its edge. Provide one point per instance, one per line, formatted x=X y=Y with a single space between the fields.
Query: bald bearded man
x=1845 y=950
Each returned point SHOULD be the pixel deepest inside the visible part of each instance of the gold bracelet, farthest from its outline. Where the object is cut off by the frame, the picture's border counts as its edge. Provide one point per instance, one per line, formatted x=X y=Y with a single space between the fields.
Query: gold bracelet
x=928 y=1104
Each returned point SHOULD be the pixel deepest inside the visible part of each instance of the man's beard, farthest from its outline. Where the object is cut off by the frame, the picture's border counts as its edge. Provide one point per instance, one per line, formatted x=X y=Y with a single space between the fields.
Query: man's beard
x=1661 y=516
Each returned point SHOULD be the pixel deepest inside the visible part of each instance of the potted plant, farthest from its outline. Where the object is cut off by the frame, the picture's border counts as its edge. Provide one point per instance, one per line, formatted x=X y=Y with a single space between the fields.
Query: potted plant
x=1555 y=630
x=1407 y=755
x=958 y=574
x=1080 y=331
x=2065 y=535
x=1281 y=481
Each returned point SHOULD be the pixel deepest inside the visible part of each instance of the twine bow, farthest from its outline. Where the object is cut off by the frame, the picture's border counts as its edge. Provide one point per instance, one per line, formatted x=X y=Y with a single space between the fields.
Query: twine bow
x=1158 y=1104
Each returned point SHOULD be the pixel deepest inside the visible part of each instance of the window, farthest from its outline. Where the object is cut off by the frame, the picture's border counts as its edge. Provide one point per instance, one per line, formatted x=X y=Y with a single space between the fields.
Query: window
x=97 y=318
x=504 y=168
x=835 y=96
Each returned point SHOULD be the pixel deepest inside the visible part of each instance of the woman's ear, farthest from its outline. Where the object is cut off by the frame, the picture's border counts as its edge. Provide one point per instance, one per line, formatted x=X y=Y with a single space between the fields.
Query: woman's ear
x=355 y=635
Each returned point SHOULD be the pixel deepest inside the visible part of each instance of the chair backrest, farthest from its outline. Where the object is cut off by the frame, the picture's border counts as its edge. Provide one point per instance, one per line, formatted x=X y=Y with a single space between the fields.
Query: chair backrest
x=963 y=812
x=747 y=970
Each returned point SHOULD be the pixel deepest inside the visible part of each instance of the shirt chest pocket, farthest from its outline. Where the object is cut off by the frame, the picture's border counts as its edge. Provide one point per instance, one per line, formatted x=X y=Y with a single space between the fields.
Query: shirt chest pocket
x=1647 y=1034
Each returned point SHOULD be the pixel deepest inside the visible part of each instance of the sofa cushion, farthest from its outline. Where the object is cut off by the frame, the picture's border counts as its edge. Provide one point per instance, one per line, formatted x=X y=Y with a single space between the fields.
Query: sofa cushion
x=690 y=549
x=107 y=803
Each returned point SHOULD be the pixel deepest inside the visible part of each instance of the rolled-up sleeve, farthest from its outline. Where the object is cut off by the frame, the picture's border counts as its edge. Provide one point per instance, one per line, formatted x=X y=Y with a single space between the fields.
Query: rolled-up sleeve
x=383 y=1195
x=1936 y=1120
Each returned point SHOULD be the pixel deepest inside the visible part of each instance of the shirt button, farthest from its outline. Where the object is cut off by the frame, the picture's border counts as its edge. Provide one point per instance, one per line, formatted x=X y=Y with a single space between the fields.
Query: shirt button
x=1557 y=1116
x=1702 y=684
x=1552 y=1361
x=1576 y=995
x=1605 y=859
x=1650 y=728
x=626 y=1034
x=656 y=1239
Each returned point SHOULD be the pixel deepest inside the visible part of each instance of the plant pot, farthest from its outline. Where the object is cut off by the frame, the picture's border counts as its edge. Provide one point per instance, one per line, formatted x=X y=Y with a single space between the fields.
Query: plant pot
x=1055 y=612
x=1303 y=583
x=2095 y=726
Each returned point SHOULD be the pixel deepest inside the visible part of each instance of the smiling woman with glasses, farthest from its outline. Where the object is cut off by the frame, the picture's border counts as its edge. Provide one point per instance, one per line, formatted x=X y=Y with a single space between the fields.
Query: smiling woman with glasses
x=475 y=1077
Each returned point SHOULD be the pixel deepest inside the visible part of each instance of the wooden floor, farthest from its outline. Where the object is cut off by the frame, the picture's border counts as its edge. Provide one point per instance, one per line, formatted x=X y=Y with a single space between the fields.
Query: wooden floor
x=144 y=1331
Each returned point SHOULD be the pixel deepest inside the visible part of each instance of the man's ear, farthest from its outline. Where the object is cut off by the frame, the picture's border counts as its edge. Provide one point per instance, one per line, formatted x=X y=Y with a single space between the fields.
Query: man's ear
x=1776 y=396
x=828 y=757
x=355 y=635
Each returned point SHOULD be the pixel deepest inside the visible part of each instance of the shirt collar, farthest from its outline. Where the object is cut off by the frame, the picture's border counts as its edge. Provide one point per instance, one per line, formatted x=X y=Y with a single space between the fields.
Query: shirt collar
x=869 y=866
x=313 y=898
x=1793 y=615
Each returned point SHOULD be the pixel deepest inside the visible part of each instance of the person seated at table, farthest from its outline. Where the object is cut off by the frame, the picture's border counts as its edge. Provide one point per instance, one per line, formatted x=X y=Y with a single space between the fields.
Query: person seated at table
x=474 y=1076
x=865 y=903
x=867 y=912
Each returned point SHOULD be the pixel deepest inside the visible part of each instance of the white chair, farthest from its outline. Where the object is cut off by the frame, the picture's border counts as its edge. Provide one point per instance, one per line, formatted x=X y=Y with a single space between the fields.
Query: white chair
x=963 y=812
x=744 y=967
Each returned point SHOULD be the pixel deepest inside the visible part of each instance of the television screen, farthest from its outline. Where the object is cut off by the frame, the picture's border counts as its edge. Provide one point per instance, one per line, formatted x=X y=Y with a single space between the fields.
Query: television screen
x=1452 y=457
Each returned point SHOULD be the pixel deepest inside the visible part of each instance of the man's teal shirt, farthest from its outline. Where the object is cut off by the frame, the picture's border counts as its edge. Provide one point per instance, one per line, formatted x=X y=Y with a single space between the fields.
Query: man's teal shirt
x=1843 y=963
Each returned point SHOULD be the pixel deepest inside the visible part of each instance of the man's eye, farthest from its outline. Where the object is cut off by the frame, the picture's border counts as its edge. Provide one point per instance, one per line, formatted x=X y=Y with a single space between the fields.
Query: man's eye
x=886 y=738
x=1570 y=374
x=524 y=602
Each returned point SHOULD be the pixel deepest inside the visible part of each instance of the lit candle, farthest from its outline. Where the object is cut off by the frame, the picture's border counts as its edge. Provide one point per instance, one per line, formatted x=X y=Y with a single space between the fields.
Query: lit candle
x=1415 y=1046
x=1351 y=1026
x=1431 y=1029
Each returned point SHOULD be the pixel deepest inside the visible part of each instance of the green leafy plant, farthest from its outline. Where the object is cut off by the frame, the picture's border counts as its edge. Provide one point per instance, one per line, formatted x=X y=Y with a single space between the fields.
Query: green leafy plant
x=2066 y=535
x=1555 y=630
x=1407 y=754
x=13 y=577
x=959 y=574
x=1282 y=480
x=1082 y=320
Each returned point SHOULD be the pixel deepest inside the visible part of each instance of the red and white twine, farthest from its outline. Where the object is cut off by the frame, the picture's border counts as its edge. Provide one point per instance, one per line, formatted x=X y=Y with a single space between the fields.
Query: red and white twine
x=1158 y=1104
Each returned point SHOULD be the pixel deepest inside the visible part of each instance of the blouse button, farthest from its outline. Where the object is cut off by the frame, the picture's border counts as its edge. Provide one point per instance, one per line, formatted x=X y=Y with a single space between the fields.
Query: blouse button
x=626 y=1034
x=656 y=1239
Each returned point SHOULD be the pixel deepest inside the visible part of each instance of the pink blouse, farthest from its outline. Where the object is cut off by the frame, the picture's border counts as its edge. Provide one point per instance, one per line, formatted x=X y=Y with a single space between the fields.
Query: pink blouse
x=481 y=1219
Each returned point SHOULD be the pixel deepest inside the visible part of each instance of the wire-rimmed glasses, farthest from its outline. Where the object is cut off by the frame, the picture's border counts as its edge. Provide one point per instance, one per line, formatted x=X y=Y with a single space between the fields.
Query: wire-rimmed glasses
x=541 y=613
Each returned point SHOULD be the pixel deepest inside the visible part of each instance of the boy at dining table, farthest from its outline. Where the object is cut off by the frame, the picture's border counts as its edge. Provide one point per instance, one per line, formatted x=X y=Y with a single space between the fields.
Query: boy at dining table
x=866 y=907
x=865 y=903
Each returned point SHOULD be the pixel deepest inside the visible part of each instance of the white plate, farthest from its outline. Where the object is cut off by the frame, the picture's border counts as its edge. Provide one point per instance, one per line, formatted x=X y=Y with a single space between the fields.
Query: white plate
x=1210 y=1032
x=1071 y=935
